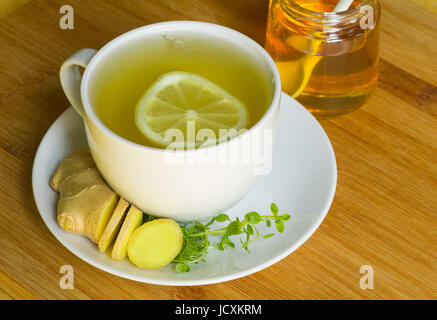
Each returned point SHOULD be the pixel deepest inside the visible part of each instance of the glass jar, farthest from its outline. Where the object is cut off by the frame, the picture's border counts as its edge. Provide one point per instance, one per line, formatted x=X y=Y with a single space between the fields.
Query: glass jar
x=327 y=61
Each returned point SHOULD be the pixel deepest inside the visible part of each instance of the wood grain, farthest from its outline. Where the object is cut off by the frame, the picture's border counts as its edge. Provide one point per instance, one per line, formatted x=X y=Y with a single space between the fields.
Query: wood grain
x=385 y=208
x=8 y=6
x=430 y=5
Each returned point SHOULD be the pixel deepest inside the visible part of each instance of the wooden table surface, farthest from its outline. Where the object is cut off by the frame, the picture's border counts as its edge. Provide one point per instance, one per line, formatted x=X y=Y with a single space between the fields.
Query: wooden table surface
x=385 y=208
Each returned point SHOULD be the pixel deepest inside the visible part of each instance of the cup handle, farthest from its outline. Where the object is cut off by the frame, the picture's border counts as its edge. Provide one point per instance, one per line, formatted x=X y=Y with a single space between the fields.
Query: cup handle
x=71 y=78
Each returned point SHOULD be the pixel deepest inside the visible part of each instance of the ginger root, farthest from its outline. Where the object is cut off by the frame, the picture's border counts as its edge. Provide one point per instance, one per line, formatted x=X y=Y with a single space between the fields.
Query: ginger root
x=79 y=160
x=155 y=244
x=88 y=206
x=86 y=202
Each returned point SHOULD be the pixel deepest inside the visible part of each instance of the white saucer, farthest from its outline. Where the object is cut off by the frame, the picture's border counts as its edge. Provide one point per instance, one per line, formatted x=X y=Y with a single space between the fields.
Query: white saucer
x=302 y=183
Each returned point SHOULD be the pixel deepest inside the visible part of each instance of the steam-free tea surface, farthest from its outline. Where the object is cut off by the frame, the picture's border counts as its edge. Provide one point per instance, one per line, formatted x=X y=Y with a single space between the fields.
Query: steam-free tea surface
x=127 y=74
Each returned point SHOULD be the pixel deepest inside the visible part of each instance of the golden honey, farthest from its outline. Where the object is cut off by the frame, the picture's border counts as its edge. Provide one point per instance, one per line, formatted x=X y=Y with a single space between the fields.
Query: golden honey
x=327 y=61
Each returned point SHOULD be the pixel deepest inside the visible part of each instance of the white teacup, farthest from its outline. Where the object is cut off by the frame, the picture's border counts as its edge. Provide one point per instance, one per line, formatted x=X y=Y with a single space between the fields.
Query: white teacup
x=184 y=184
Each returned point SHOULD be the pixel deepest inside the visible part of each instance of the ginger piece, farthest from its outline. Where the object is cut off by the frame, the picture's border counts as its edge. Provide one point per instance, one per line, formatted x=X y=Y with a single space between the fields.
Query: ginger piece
x=79 y=160
x=155 y=244
x=133 y=220
x=114 y=225
x=86 y=202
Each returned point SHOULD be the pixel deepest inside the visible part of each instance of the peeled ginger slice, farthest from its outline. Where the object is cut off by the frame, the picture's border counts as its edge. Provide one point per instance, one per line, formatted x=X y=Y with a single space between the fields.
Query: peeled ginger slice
x=114 y=225
x=133 y=220
x=155 y=244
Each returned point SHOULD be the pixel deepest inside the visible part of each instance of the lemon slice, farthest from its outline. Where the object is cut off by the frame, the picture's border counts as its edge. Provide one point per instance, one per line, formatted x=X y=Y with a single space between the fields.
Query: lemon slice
x=188 y=111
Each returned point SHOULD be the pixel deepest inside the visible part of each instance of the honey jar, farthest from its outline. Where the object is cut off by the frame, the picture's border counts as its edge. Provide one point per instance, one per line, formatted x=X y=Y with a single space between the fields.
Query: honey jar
x=327 y=60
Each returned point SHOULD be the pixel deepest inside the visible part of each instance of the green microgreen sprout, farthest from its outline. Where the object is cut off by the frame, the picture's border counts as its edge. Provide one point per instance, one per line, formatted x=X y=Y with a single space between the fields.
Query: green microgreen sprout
x=196 y=236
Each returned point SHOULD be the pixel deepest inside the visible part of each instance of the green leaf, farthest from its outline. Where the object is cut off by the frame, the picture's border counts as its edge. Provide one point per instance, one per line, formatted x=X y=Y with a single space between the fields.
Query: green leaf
x=274 y=209
x=210 y=222
x=182 y=267
x=234 y=228
x=222 y=217
x=268 y=235
x=268 y=223
x=244 y=246
x=230 y=243
x=148 y=218
x=280 y=226
x=249 y=230
x=253 y=217
x=197 y=226
x=285 y=217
